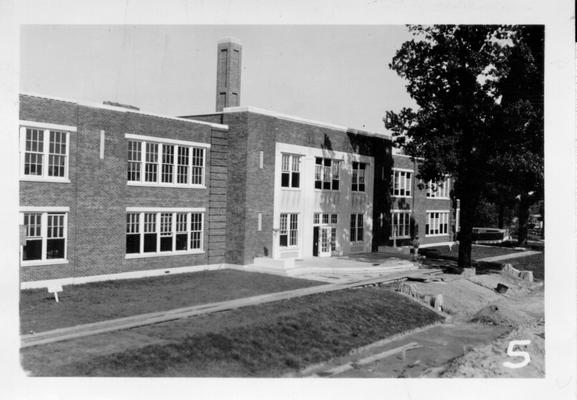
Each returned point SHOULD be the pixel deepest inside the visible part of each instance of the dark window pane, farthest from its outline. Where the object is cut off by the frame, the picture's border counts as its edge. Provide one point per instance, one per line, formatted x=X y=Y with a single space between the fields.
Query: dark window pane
x=55 y=248
x=283 y=240
x=150 y=242
x=318 y=185
x=132 y=244
x=166 y=244
x=355 y=187
x=296 y=179
x=362 y=165
x=361 y=187
x=319 y=161
x=335 y=184
x=181 y=242
x=285 y=179
x=326 y=185
x=32 y=250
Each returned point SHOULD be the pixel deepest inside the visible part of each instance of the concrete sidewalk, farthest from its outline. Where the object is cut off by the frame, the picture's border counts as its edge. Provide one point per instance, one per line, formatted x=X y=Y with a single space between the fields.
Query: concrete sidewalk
x=95 y=328
x=509 y=256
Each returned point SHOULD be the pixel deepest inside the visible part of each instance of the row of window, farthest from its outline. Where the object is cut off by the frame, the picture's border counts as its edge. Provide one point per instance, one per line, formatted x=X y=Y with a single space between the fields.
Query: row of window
x=146 y=233
x=45 y=155
x=327 y=173
x=401 y=184
x=161 y=232
x=45 y=235
x=289 y=228
x=437 y=223
x=152 y=162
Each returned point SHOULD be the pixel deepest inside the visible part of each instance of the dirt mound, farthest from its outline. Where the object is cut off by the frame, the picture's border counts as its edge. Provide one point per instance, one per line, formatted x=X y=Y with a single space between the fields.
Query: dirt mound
x=487 y=361
x=500 y=315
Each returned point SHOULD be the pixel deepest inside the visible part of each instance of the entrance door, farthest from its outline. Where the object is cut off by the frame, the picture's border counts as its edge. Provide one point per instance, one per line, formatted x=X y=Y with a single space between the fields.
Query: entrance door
x=325 y=241
x=315 y=241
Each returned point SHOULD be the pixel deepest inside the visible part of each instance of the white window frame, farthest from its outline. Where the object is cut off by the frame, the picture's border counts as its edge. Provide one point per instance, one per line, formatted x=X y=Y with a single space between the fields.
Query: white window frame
x=440 y=191
x=44 y=211
x=355 y=177
x=399 y=179
x=395 y=217
x=289 y=217
x=437 y=223
x=335 y=165
x=175 y=144
x=356 y=227
x=45 y=128
x=168 y=210
x=291 y=170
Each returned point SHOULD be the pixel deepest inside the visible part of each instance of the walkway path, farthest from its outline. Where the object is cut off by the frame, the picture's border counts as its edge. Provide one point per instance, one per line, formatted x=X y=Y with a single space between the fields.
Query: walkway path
x=57 y=335
x=508 y=256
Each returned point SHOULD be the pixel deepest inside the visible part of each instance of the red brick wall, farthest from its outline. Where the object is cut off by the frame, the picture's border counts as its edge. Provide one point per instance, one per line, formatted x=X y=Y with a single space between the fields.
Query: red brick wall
x=98 y=194
x=419 y=203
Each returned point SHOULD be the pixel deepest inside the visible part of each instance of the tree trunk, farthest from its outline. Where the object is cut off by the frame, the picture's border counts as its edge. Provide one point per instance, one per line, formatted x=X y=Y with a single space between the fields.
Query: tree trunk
x=466 y=233
x=501 y=218
x=523 y=218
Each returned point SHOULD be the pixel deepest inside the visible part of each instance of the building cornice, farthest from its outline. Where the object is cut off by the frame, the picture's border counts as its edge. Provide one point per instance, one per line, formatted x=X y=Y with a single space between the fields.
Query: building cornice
x=125 y=110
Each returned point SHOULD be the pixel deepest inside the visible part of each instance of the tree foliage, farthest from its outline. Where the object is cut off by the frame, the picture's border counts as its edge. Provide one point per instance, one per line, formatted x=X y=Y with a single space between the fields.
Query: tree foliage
x=477 y=90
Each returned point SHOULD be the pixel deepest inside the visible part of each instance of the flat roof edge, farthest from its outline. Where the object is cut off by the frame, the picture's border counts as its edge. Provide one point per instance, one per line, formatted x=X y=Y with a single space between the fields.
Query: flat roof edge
x=305 y=121
x=122 y=109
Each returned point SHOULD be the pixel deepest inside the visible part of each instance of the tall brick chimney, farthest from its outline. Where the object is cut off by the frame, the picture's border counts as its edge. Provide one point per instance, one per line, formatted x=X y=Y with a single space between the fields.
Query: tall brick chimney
x=228 y=74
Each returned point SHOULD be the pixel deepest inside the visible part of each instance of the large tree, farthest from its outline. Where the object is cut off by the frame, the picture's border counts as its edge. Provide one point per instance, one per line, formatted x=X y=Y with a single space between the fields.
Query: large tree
x=455 y=74
x=519 y=163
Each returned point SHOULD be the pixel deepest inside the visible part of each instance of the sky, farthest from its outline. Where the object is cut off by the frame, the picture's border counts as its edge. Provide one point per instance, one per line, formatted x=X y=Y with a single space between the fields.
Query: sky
x=331 y=73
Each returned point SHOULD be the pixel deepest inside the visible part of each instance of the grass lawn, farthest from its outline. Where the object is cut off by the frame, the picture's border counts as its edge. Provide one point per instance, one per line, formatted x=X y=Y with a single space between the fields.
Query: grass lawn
x=476 y=253
x=266 y=340
x=535 y=263
x=81 y=304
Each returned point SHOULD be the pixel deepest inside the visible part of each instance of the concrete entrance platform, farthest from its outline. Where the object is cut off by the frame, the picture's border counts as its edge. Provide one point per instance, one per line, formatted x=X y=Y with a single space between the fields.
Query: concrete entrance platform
x=337 y=269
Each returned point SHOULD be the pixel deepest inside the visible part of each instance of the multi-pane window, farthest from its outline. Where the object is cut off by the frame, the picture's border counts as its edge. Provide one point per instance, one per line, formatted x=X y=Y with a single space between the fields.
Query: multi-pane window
x=197 y=166
x=57 y=154
x=196 y=231
x=45 y=236
x=151 y=162
x=182 y=165
x=134 y=160
x=358 y=178
x=439 y=190
x=401 y=183
x=331 y=219
x=356 y=228
x=165 y=164
x=45 y=153
x=290 y=171
x=288 y=230
x=327 y=173
x=437 y=223
x=326 y=218
x=163 y=232
x=400 y=224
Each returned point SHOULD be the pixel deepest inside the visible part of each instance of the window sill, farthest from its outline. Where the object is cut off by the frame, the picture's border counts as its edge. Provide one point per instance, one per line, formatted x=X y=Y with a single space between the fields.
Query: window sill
x=43 y=179
x=286 y=248
x=440 y=235
x=401 y=197
x=162 y=254
x=290 y=189
x=31 y=263
x=164 y=185
x=327 y=190
x=400 y=237
x=438 y=198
